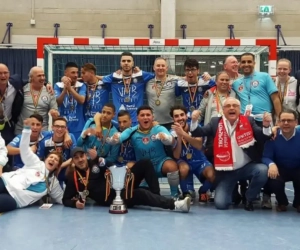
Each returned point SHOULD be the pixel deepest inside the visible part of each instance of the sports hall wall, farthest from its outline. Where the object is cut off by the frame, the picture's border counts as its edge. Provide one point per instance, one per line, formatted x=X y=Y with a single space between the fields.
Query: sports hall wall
x=130 y=18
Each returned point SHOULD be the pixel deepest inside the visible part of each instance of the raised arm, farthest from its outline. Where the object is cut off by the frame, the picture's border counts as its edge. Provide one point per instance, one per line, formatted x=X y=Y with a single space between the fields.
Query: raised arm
x=28 y=157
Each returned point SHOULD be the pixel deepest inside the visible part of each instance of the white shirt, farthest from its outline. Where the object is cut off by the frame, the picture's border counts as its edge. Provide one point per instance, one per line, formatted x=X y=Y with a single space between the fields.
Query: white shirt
x=240 y=158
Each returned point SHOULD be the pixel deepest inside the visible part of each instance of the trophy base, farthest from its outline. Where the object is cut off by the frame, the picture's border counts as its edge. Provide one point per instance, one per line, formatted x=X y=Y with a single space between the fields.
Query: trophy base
x=118 y=209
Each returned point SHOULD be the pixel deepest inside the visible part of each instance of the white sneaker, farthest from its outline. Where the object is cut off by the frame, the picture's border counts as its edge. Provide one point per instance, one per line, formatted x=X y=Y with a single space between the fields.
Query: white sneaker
x=183 y=205
x=266 y=202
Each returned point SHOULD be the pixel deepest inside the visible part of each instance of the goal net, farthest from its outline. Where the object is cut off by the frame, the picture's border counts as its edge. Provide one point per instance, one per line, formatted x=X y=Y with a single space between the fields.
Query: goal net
x=107 y=58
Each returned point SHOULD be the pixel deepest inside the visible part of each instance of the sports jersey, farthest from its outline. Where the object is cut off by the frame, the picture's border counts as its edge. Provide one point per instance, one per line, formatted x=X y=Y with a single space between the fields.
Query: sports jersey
x=45 y=102
x=126 y=154
x=146 y=146
x=192 y=94
x=70 y=109
x=105 y=150
x=96 y=99
x=164 y=95
x=18 y=163
x=255 y=89
x=128 y=98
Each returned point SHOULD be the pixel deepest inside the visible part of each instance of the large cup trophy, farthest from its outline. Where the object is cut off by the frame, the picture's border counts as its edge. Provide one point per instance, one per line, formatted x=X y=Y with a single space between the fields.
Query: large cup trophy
x=118 y=178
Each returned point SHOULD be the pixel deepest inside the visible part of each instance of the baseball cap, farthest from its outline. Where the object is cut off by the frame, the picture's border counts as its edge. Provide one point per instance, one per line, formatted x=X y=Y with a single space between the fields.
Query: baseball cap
x=76 y=150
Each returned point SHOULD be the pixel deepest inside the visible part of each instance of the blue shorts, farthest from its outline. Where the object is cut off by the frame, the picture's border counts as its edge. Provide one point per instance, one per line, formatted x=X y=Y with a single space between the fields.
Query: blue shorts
x=158 y=167
x=197 y=168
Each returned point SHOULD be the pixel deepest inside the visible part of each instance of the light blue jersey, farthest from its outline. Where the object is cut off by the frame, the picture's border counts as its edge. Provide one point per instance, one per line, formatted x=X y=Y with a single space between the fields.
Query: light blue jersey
x=255 y=89
x=132 y=99
x=18 y=163
x=70 y=109
x=96 y=99
x=146 y=146
x=105 y=150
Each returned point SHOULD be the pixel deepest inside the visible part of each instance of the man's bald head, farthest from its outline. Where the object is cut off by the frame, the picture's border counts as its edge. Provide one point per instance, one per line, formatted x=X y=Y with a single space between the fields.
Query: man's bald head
x=231 y=64
x=232 y=100
x=36 y=75
x=4 y=74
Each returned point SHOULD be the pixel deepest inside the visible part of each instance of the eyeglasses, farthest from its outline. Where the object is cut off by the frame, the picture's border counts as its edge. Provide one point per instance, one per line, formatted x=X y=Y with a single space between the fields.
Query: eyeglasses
x=190 y=70
x=287 y=120
x=231 y=105
x=58 y=126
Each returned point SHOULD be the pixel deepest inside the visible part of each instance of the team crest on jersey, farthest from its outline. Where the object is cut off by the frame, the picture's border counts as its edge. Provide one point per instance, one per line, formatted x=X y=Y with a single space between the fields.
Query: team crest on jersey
x=200 y=89
x=134 y=80
x=255 y=84
x=241 y=87
x=99 y=87
x=153 y=137
x=44 y=98
x=95 y=169
x=145 y=140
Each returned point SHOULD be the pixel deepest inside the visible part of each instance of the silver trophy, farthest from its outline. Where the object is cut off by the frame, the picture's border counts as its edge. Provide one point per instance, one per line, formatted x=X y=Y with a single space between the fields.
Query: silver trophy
x=118 y=178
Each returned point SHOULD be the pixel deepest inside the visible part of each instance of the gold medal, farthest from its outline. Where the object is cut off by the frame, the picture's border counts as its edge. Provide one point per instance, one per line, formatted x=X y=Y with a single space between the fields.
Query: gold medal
x=189 y=156
x=120 y=159
x=127 y=99
x=157 y=102
x=192 y=108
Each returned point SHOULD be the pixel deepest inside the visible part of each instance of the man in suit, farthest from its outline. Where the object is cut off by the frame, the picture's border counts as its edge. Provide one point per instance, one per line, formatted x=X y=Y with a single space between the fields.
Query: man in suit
x=235 y=151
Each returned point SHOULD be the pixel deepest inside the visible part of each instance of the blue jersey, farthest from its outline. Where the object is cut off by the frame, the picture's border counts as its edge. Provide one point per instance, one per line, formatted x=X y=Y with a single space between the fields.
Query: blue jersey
x=96 y=99
x=126 y=153
x=189 y=154
x=132 y=99
x=70 y=109
x=256 y=90
x=105 y=150
x=16 y=144
x=47 y=145
x=192 y=94
x=146 y=146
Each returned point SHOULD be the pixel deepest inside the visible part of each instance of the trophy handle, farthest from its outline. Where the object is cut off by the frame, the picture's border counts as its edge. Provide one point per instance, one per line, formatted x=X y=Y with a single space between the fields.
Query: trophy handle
x=129 y=177
x=109 y=178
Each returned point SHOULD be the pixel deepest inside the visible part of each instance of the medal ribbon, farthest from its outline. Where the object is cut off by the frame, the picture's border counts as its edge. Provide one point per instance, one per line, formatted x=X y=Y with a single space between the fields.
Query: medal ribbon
x=127 y=79
x=35 y=98
x=157 y=89
x=47 y=185
x=124 y=147
x=192 y=97
x=4 y=95
x=103 y=141
x=282 y=94
x=219 y=102
x=71 y=99
x=187 y=146
x=85 y=183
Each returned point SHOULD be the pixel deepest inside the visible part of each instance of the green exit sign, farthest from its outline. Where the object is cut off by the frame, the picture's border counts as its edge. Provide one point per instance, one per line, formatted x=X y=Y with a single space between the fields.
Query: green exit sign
x=266 y=9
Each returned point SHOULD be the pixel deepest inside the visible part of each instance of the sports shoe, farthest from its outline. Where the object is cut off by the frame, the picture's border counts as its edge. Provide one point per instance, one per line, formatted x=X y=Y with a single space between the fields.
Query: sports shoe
x=203 y=198
x=190 y=196
x=183 y=205
x=266 y=202
x=212 y=196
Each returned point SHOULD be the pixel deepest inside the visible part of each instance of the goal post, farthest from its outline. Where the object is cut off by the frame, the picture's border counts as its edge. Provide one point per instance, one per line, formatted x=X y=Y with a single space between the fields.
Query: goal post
x=53 y=53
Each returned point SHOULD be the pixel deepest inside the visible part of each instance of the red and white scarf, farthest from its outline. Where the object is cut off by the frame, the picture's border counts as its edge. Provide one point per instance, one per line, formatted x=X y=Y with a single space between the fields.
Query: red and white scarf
x=223 y=151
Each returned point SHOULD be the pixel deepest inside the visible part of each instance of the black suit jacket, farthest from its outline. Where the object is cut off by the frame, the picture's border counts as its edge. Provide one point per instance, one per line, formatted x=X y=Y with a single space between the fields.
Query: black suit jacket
x=211 y=128
x=17 y=83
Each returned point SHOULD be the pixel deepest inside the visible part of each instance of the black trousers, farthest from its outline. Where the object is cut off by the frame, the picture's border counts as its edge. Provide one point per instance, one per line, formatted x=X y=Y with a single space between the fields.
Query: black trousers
x=277 y=186
x=142 y=169
x=7 y=203
x=8 y=134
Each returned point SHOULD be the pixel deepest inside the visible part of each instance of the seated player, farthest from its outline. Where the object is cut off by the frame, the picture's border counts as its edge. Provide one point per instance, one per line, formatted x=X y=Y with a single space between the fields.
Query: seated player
x=87 y=180
x=88 y=140
x=190 y=157
x=36 y=179
x=148 y=142
x=55 y=142
x=126 y=153
x=35 y=138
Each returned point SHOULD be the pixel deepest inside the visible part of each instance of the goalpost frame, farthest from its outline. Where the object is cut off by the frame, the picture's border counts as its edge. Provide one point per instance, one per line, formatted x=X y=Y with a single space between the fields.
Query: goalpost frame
x=270 y=43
